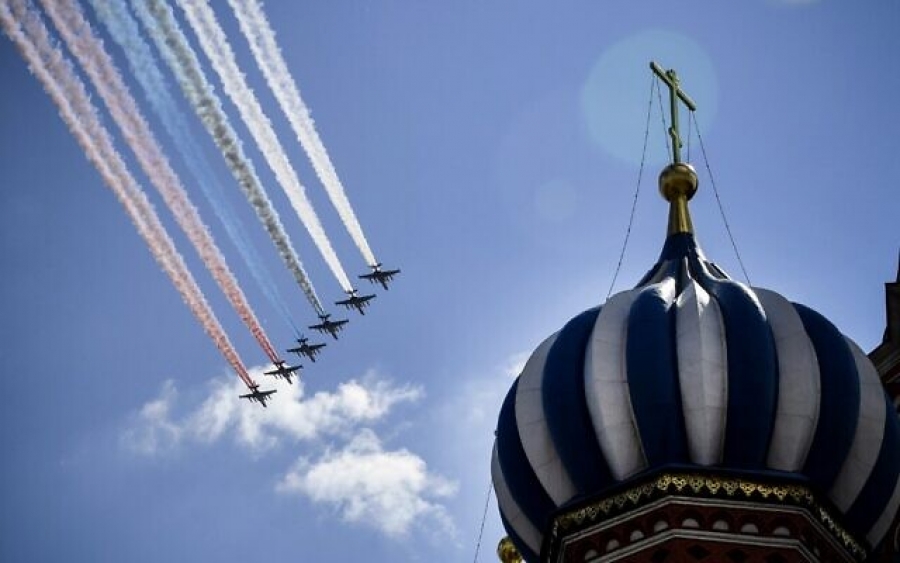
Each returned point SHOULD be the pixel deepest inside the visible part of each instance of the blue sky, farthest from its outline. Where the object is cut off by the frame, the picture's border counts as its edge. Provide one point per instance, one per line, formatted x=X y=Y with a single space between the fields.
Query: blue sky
x=491 y=151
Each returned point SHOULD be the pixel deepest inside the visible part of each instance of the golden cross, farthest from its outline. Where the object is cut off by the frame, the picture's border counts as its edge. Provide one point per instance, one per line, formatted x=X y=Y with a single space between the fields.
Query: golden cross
x=675 y=93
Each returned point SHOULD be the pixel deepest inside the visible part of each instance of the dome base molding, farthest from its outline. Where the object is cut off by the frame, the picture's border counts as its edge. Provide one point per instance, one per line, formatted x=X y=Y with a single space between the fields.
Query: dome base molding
x=692 y=516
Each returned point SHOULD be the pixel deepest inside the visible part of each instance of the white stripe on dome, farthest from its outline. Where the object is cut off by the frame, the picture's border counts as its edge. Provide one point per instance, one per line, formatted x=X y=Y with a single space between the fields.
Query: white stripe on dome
x=797 y=413
x=880 y=528
x=510 y=509
x=606 y=388
x=869 y=433
x=533 y=431
x=702 y=372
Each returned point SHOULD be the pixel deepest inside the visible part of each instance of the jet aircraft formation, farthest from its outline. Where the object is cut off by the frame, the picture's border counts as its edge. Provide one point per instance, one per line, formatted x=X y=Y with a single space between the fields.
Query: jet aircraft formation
x=76 y=62
x=281 y=370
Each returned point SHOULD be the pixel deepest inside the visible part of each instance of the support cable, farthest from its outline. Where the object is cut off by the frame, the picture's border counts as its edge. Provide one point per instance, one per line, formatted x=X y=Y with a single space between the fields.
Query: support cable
x=487 y=502
x=690 y=134
x=662 y=115
x=719 y=200
x=637 y=188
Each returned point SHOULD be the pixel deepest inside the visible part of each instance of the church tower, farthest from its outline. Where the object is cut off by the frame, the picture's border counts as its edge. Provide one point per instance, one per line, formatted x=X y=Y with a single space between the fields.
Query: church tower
x=696 y=418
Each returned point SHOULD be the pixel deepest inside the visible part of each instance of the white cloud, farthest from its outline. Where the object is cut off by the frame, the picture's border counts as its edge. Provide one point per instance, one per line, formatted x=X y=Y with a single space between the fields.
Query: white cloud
x=389 y=490
x=291 y=415
x=479 y=397
x=151 y=429
x=515 y=364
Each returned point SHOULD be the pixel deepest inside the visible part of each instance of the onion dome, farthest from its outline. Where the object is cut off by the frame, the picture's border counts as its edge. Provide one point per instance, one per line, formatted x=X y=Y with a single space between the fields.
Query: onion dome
x=695 y=370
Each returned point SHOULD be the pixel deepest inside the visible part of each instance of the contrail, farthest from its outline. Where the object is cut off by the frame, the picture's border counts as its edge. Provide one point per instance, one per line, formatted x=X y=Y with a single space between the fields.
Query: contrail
x=163 y=28
x=215 y=45
x=88 y=50
x=259 y=34
x=123 y=28
x=67 y=91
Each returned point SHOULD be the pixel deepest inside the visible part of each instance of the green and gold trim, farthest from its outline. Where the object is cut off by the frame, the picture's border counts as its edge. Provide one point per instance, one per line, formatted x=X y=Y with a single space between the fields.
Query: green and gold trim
x=704 y=486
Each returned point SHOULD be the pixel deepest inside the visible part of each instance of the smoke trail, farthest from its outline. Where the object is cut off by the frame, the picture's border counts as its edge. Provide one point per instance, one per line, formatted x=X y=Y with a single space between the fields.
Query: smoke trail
x=259 y=34
x=124 y=30
x=98 y=65
x=67 y=91
x=215 y=45
x=160 y=23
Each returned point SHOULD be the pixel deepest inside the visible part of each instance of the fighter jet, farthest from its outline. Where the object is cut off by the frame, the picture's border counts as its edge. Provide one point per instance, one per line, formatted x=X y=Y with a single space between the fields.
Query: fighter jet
x=329 y=327
x=257 y=396
x=355 y=301
x=284 y=371
x=306 y=349
x=380 y=276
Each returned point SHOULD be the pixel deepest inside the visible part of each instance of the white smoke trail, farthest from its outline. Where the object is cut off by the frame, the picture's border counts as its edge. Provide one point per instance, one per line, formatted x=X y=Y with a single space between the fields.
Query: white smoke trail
x=163 y=28
x=125 y=31
x=259 y=34
x=67 y=91
x=88 y=50
x=215 y=45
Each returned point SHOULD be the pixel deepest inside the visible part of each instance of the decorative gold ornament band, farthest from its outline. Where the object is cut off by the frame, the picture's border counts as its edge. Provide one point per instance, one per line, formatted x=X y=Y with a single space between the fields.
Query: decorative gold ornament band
x=694 y=484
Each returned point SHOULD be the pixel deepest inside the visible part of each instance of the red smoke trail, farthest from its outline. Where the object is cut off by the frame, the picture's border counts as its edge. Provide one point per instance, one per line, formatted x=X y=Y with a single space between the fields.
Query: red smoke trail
x=67 y=91
x=88 y=50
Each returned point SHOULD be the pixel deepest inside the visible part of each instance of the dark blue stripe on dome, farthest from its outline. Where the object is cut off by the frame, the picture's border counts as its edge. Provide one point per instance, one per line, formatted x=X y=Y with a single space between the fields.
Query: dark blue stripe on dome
x=523 y=484
x=717 y=271
x=652 y=379
x=525 y=551
x=752 y=372
x=838 y=399
x=565 y=407
x=677 y=246
x=876 y=493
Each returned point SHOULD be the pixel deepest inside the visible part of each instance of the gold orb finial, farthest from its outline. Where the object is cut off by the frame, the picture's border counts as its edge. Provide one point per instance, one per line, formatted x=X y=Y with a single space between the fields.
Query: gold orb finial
x=678 y=183
x=507 y=552
x=678 y=180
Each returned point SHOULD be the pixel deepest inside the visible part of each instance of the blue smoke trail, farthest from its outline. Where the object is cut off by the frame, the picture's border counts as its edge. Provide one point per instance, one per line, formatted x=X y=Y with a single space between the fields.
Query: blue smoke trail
x=125 y=31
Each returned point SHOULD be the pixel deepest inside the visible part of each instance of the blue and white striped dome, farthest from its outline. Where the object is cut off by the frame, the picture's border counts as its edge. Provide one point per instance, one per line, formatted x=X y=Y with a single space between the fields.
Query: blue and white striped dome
x=694 y=369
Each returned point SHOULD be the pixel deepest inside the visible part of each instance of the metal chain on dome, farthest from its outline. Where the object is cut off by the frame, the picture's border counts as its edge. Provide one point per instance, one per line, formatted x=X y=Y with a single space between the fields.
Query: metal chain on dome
x=487 y=502
x=637 y=188
x=718 y=199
